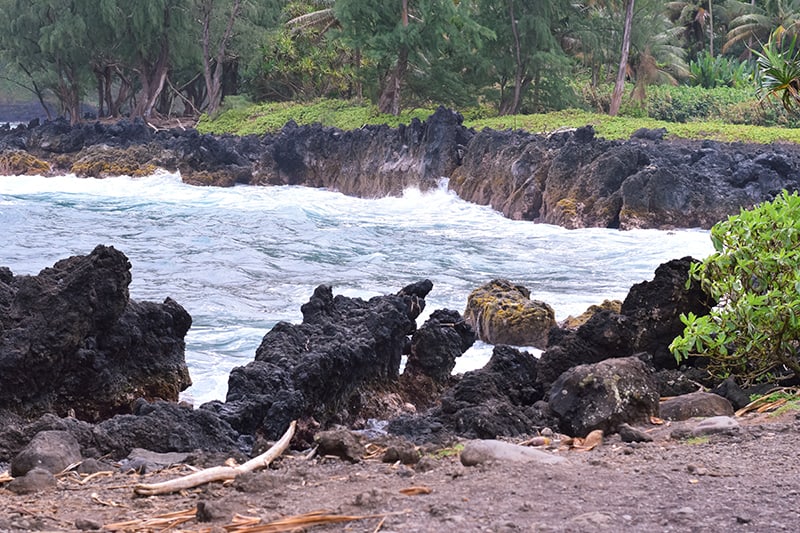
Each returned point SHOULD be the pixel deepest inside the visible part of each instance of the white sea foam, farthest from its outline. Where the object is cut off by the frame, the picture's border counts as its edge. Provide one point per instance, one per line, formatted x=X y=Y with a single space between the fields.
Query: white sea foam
x=242 y=258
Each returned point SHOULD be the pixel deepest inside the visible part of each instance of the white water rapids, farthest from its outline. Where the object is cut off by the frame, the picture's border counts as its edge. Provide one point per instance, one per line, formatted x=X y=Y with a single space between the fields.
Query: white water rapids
x=241 y=259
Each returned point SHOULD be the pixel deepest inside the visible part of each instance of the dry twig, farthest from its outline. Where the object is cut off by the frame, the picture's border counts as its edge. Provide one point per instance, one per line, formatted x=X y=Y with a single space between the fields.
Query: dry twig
x=218 y=473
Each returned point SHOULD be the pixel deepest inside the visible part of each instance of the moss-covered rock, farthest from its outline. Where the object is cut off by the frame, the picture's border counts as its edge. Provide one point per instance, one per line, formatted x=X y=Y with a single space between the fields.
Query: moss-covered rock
x=503 y=313
x=574 y=322
x=16 y=162
x=101 y=161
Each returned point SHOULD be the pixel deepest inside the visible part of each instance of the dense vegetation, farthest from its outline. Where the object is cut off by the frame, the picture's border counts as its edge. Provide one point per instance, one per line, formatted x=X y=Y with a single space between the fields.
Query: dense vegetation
x=753 y=333
x=680 y=61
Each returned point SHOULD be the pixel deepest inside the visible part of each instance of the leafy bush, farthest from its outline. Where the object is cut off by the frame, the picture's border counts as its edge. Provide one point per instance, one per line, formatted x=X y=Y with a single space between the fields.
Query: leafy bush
x=709 y=72
x=683 y=104
x=754 y=332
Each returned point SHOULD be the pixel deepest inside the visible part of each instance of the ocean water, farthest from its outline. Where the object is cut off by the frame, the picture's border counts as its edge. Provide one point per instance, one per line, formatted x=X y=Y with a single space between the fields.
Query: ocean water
x=241 y=259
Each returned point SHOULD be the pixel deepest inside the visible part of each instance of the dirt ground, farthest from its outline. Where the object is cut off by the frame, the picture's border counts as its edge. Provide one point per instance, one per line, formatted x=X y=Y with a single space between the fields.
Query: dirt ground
x=749 y=481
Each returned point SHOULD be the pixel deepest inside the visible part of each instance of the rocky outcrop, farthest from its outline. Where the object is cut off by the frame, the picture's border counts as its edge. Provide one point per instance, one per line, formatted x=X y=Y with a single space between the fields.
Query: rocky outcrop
x=503 y=313
x=71 y=340
x=569 y=178
x=500 y=399
x=648 y=321
x=158 y=426
x=436 y=345
x=577 y=180
x=604 y=396
x=311 y=370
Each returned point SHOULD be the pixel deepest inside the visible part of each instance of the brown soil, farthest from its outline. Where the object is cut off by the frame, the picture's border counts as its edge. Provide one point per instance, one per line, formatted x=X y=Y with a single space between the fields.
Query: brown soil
x=749 y=481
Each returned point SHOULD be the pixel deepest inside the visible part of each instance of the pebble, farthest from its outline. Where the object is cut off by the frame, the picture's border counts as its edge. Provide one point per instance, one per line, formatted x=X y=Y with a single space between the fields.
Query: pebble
x=631 y=434
x=84 y=524
x=482 y=451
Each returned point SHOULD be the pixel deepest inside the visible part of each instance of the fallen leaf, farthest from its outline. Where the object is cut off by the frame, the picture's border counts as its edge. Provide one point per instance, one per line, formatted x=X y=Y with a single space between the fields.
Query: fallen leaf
x=416 y=491
x=592 y=441
x=656 y=421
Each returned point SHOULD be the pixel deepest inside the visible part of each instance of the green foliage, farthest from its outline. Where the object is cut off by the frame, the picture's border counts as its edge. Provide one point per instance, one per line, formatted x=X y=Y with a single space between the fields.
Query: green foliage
x=755 y=274
x=778 y=73
x=271 y=117
x=710 y=72
x=682 y=104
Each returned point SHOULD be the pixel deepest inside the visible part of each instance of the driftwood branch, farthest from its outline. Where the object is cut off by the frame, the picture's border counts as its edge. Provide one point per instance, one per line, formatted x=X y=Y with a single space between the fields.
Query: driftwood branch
x=218 y=473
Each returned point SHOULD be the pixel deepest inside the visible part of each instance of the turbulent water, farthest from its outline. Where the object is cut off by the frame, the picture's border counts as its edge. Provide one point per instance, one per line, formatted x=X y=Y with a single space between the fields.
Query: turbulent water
x=241 y=259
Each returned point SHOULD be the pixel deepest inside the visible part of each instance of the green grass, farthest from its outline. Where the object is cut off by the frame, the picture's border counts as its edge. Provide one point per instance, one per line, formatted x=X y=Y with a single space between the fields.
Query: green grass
x=623 y=127
x=695 y=441
x=271 y=117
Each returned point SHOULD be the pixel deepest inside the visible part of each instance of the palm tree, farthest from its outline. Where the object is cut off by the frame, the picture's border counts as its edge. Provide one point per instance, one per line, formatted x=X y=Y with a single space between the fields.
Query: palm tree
x=778 y=73
x=698 y=21
x=321 y=20
x=619 y=86
x=759 y=23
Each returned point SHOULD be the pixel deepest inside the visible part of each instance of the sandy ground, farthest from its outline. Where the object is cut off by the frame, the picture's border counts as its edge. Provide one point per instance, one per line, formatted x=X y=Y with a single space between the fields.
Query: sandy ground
x=749 y=481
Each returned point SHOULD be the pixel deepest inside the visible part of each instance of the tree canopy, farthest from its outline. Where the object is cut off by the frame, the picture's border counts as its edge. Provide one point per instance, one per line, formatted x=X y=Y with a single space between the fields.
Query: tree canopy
x=174 y=57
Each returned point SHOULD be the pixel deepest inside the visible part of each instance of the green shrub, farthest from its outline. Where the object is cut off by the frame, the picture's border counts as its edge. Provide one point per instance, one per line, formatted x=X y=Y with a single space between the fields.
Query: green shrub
x=709 y=72
x=754 y=333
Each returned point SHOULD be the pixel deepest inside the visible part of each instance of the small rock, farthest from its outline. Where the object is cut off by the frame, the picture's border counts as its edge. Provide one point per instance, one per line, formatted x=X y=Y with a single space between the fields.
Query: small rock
x=405 y=452
x=481 y=451
x=92 y=466
x=594 y=520
x=631 y=434
x=254 y=482
x=36 y=480
x=84 y=524
x=145 y=461
x=340 y=443
x=697 y=470
x=714 y=425
x=51 y=450
x=426 y=464
x=371 y=498
x=695 y=404
x=208 y=511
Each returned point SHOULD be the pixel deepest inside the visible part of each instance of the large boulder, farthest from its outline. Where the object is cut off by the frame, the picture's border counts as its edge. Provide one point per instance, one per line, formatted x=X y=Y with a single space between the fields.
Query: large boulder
x=655 y=307
x=503 y=313
x=311 y=370
x=71 y=340
x=603 y=396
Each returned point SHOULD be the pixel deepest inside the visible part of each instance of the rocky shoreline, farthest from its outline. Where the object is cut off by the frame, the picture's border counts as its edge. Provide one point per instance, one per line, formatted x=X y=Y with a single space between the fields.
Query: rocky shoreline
x=81 y=359
x=571 y=178
x=86 y=374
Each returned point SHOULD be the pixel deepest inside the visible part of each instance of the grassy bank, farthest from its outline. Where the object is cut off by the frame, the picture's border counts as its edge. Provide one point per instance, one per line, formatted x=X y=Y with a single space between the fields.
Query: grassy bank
x=271 y=117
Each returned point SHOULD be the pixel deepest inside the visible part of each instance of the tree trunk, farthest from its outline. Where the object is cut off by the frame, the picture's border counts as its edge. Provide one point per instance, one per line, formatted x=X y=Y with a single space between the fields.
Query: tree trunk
x=389 y=101
x=711 y=26
x=213 y=68
x=153 y=75
x=619 y=86
x=519 y=71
